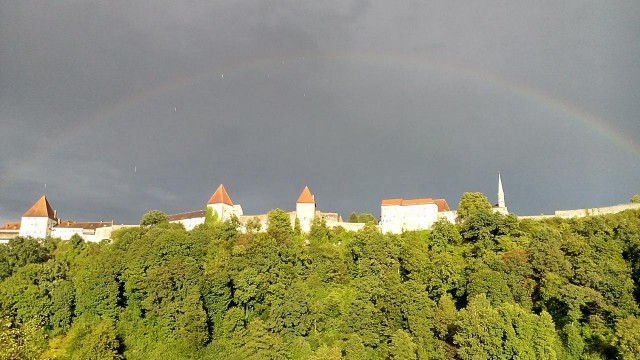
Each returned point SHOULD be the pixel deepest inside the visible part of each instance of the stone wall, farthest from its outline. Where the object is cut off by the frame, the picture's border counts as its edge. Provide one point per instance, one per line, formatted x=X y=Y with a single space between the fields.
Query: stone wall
x=567 y=214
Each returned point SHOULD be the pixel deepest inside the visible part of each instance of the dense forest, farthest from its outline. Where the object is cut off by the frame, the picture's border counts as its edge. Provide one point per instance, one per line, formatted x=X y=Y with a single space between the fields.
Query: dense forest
x=490 y=287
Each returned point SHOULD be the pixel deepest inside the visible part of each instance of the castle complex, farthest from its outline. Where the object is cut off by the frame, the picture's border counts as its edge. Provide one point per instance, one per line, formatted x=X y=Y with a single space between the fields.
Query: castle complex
x=220 y=204
x=396 y=215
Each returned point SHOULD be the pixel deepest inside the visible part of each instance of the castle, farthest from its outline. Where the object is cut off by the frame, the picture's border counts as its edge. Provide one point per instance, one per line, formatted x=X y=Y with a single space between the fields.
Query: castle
x=41 y=221
x=220 y=204
x=397 y=215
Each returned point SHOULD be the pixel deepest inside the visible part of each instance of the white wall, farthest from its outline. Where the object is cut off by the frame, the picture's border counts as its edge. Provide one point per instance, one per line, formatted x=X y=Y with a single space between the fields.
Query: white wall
x=450 y=216
x=66 y=233
x=305 y=213
x=190 y=224
x=398 y=218
x=37 y=227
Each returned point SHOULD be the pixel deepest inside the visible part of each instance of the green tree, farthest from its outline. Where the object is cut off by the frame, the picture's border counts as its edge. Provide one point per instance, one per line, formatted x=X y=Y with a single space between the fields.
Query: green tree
x=353 y=218
x=279 y=225
x=19 y=252
x=402 y=346
x=472 y=203
x=252 y=226
x=153 y=217
x=367 y=219
x=210 y=216
x=21 y=342
x=89 y=338
x=628 y=337
x=635 y=199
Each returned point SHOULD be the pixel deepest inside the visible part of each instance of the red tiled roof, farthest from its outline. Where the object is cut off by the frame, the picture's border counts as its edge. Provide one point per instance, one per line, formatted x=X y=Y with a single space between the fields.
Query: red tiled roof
x=220 y=196
x=306 y=197
x=442 y=205
x=417 y=201
x=187 y=215
x=41 y=209
x=11 y=226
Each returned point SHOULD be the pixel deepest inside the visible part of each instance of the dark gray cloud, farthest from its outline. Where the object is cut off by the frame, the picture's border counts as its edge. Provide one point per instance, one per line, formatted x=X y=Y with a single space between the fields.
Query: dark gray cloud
x=359 y=100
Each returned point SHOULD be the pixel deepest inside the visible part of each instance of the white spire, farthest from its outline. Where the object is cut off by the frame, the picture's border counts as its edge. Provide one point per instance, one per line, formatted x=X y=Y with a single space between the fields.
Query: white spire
x=501 y=202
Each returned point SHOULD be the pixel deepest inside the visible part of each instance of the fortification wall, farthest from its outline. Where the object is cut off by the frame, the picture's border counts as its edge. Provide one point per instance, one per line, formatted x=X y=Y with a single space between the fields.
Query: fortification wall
x=595 y=211
x=567 y=214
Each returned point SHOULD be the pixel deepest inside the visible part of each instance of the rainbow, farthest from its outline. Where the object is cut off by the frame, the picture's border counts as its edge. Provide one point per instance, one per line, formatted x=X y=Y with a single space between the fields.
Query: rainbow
x=591 y=121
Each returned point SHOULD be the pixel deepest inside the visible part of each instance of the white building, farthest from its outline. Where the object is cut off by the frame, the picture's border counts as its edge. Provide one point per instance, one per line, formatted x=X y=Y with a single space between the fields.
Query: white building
x=39 y=220
x=398 y=215
x=93 y=231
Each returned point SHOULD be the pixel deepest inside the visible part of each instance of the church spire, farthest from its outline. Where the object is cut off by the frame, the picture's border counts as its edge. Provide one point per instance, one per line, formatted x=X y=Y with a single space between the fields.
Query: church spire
x=501 y=202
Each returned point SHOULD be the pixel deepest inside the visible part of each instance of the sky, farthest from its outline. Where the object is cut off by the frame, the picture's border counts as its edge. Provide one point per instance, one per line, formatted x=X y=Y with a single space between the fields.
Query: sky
x=112 y=109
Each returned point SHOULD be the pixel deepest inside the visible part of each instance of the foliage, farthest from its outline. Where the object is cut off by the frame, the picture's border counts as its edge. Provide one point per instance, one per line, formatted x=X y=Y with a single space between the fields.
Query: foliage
x=635 y=199
x=472 y=203
x=153 y=217
x=364 y=218
x=489 y=287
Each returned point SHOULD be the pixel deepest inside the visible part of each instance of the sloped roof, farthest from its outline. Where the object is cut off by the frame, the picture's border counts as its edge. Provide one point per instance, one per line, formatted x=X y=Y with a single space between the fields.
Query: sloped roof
x=89 y=225
x=41 y=209
x=220 y=196
x=442 y=205
x=11 y=226
x=187 y=215
x=306 y=197
x=417 y=201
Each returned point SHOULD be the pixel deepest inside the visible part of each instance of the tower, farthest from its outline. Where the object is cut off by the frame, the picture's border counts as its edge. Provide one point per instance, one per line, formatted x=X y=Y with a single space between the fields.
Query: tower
x=221 y=204
x=306 y=209
x=38 y=220
x=501 y=202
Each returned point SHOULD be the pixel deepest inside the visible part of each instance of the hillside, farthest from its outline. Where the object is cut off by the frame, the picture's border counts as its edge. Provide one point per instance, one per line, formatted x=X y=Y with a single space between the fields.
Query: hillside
x=492 y=287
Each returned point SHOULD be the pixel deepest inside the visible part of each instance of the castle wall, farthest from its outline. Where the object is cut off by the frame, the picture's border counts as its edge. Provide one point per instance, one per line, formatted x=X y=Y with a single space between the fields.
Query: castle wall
x=567 y=214
x=191 y=223
x=450 y=216
x=346 y=225
x=595 y=211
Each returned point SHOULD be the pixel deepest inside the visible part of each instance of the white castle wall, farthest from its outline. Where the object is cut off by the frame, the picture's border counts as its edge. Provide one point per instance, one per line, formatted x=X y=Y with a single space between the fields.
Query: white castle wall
x=191 y=223
x=567 y=214
x=595 y=211
x=450 y=216
x=66 y=233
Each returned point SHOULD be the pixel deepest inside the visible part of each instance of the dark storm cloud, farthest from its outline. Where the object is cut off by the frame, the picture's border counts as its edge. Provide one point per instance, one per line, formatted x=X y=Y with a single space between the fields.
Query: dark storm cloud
x=359 y=100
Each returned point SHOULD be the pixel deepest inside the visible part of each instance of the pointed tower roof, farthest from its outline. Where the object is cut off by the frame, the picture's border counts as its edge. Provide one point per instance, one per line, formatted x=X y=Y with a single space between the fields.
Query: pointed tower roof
x=41 y=208
x=306 y=197
x=500 y=191
x=220 y=196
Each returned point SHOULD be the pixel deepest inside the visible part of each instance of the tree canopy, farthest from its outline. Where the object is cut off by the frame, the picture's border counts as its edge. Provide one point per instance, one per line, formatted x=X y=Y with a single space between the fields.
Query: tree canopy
x=472 y=203
x=490 y=287
x=153 y=217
